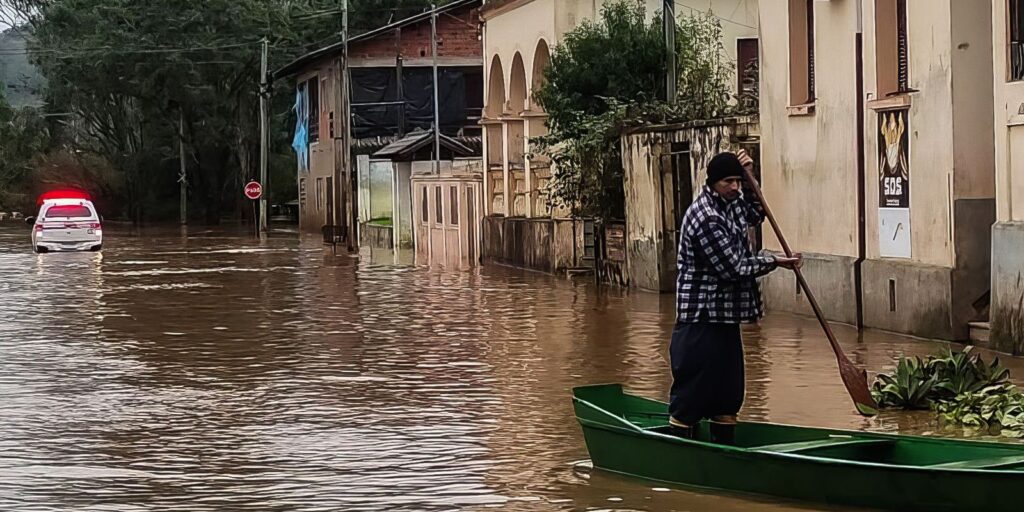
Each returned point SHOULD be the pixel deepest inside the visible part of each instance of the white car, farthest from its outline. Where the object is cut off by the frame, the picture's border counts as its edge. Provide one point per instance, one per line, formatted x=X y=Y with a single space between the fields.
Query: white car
x=67 y=225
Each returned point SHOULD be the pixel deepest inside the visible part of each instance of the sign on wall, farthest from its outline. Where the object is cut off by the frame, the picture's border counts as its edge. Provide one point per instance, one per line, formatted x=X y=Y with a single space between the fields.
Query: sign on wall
x=894 y=232
x=893 y=160
x=894 y=184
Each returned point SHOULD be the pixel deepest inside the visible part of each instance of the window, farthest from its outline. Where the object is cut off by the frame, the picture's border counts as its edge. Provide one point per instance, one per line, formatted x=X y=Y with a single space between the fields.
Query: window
x=1016 y=20
x=747 y=87
x=425 y=206
x=453 y=203
x=302 y=194
x=319 y=194
x=439 y=208
x=801 y=51
x=891 y=64
x=324 y=121
x=68 y=212
x=313 y=88
x=746 y=65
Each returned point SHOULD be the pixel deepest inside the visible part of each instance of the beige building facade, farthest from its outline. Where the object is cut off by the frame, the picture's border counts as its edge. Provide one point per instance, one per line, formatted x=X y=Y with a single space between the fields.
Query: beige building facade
x=877 y=155
x=519 y=37
x=1007 y=309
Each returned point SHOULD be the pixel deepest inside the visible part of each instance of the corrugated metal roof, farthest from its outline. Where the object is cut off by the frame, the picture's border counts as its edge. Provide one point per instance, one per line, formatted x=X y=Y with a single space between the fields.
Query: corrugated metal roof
x=297 y=64
x=420 y=139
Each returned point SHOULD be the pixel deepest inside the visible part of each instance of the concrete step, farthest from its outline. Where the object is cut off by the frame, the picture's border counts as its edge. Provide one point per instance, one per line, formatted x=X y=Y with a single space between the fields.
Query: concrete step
x=979 y=331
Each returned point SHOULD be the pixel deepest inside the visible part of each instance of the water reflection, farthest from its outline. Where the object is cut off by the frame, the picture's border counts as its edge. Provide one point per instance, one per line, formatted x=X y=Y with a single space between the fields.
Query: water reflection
x=223 y=372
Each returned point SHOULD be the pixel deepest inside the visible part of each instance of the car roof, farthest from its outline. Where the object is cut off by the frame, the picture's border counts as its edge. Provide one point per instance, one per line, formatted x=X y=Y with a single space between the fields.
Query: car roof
x=56 y=202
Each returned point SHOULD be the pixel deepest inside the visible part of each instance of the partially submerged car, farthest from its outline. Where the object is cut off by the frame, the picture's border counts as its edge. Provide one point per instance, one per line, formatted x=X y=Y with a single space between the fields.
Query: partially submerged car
x=67 y=224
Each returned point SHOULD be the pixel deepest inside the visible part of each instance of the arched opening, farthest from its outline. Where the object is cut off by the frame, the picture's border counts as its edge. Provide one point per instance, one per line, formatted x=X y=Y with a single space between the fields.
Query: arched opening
x=541 y=59
x=540 y=164
x=517 y=85
x=495 y=89
x=495 y=142
x=517 y=137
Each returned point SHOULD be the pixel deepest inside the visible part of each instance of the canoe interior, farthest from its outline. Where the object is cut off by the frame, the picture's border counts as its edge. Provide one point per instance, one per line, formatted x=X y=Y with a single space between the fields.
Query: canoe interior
x=608 y=406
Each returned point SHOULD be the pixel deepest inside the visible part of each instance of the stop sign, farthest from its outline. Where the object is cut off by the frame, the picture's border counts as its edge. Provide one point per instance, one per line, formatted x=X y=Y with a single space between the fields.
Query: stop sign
x=253 y=190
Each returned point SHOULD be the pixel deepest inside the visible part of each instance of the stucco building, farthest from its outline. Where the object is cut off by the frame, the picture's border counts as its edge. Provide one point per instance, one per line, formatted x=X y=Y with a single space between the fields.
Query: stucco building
x=389 y=94
x=519 y=35
x=1007 y=309
x=877 y=157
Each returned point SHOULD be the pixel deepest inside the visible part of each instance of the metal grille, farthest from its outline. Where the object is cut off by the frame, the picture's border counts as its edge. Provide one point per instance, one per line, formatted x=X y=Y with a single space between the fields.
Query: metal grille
x=1016 y=41
x=810 y=51
x=902 y=73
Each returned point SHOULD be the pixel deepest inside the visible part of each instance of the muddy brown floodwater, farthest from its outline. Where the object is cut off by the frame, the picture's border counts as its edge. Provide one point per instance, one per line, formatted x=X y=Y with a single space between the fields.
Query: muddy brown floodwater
x=218 y=372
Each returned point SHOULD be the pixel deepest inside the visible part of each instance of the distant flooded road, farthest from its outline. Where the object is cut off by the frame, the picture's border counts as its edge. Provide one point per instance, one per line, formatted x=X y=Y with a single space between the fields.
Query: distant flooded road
x=219 y=372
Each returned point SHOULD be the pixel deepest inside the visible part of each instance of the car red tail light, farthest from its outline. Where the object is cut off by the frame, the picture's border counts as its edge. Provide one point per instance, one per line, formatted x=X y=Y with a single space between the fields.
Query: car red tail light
x=39 y=227
x=95 y=225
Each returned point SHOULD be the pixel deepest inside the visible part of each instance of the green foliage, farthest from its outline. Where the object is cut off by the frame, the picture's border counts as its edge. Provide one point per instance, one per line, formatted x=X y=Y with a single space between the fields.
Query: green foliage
x=705 y=71
x=1000 y=406
x=128 y=72
x=965 y=372
x=911 y=386
x=960 y=386
x=918 y=384
x=608 y=75
x=23 y=135
x=619 y=56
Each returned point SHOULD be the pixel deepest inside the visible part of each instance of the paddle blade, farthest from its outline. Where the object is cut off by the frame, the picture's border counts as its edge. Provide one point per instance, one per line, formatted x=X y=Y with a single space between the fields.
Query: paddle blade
x=856 y=382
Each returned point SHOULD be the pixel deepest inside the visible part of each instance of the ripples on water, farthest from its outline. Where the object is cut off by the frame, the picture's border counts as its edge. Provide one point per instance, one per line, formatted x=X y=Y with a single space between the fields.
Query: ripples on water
x=222 y=373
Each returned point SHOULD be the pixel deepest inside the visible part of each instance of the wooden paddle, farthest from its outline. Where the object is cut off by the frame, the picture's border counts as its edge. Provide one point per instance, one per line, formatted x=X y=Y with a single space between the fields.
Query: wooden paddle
x=855 y=379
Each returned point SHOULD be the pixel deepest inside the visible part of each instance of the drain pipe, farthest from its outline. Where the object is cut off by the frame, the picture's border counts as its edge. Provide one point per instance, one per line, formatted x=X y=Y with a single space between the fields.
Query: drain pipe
x=858 y=280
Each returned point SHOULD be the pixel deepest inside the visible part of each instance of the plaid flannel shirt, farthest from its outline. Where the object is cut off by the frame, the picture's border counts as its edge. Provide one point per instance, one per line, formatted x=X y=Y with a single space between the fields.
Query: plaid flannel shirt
x=717 y=270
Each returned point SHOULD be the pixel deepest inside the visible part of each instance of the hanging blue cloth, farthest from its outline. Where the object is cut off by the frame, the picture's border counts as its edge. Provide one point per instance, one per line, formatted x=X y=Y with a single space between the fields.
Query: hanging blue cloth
x=300 y=143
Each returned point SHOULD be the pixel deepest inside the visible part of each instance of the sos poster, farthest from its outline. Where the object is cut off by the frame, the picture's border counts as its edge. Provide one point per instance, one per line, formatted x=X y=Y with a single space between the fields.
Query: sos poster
x=893 y=167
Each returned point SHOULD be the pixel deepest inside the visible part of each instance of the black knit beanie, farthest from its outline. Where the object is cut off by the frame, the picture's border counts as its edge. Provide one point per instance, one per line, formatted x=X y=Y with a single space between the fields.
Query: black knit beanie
x=722 y=166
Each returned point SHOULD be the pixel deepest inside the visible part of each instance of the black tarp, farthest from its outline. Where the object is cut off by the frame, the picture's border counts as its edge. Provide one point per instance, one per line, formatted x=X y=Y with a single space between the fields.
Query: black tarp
x=379 y=85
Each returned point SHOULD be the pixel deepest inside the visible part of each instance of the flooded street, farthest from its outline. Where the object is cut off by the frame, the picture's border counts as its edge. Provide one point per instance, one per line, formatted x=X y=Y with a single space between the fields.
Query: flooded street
x=223 y=373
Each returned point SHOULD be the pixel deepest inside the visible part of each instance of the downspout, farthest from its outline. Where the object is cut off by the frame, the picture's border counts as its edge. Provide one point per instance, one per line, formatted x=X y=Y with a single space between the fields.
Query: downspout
x=858 y=280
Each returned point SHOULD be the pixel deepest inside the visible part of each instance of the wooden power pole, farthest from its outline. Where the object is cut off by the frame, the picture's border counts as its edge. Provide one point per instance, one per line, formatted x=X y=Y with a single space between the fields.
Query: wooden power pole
x=264 y=135
x=183 y=173
x=669 y=14
x=437 y=113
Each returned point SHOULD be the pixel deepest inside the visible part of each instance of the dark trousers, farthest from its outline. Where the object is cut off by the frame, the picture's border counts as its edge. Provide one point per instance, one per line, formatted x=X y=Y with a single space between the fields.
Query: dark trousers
x=707 y=371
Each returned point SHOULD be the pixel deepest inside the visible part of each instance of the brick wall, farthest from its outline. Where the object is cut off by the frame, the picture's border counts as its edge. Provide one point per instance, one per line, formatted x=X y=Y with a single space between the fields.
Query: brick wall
x=456 y=38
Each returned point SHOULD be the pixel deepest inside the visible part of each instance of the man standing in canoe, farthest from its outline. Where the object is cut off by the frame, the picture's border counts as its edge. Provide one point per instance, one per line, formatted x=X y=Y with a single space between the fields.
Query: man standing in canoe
x=715 y=292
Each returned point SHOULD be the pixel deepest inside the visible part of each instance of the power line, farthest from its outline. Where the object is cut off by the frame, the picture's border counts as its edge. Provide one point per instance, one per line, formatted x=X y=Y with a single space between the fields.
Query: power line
x=694 y=9
x=125 y=49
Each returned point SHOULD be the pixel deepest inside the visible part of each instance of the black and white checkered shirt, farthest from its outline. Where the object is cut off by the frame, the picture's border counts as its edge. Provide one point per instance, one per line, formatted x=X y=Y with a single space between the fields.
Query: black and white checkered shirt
x=717 y=270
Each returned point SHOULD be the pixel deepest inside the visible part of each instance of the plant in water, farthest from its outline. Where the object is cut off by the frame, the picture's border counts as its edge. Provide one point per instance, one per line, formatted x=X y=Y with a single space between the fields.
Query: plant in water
x=909 y=387
x=1000 y=406
x=960 y=386
x=965 y=372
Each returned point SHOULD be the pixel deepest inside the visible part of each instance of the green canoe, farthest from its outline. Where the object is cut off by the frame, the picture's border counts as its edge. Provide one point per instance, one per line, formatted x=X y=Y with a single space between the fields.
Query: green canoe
x=629 y=435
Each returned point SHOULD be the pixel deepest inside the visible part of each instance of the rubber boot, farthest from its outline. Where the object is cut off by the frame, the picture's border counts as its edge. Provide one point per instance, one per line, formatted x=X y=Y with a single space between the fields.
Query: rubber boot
x=723 y=433
x=678 y=429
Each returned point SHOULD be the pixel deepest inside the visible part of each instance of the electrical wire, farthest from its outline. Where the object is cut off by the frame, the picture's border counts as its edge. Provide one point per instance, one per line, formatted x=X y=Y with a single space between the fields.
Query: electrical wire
x=734 y=22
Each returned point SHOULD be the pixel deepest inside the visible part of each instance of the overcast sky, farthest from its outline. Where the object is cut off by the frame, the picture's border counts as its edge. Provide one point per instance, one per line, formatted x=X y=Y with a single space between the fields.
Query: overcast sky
x=6 y=14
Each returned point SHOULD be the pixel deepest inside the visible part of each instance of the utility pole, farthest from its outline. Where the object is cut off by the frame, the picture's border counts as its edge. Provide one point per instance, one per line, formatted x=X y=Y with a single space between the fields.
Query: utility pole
x=264 y=135
x=183 y=173
x=669 y=15
x=437 y=114
x=345 y=185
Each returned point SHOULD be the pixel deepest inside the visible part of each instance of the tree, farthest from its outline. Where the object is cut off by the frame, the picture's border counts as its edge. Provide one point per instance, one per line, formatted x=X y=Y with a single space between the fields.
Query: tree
x=131 y=71
x=23 y=135
x=608 y=75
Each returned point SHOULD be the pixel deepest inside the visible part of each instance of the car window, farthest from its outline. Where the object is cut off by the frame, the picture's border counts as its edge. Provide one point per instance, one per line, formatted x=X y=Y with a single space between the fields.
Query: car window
x=68 y=211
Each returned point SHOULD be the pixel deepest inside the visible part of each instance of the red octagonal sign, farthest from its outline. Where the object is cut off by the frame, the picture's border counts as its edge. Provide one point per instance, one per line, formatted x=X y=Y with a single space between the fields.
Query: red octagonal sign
x=253 y=190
